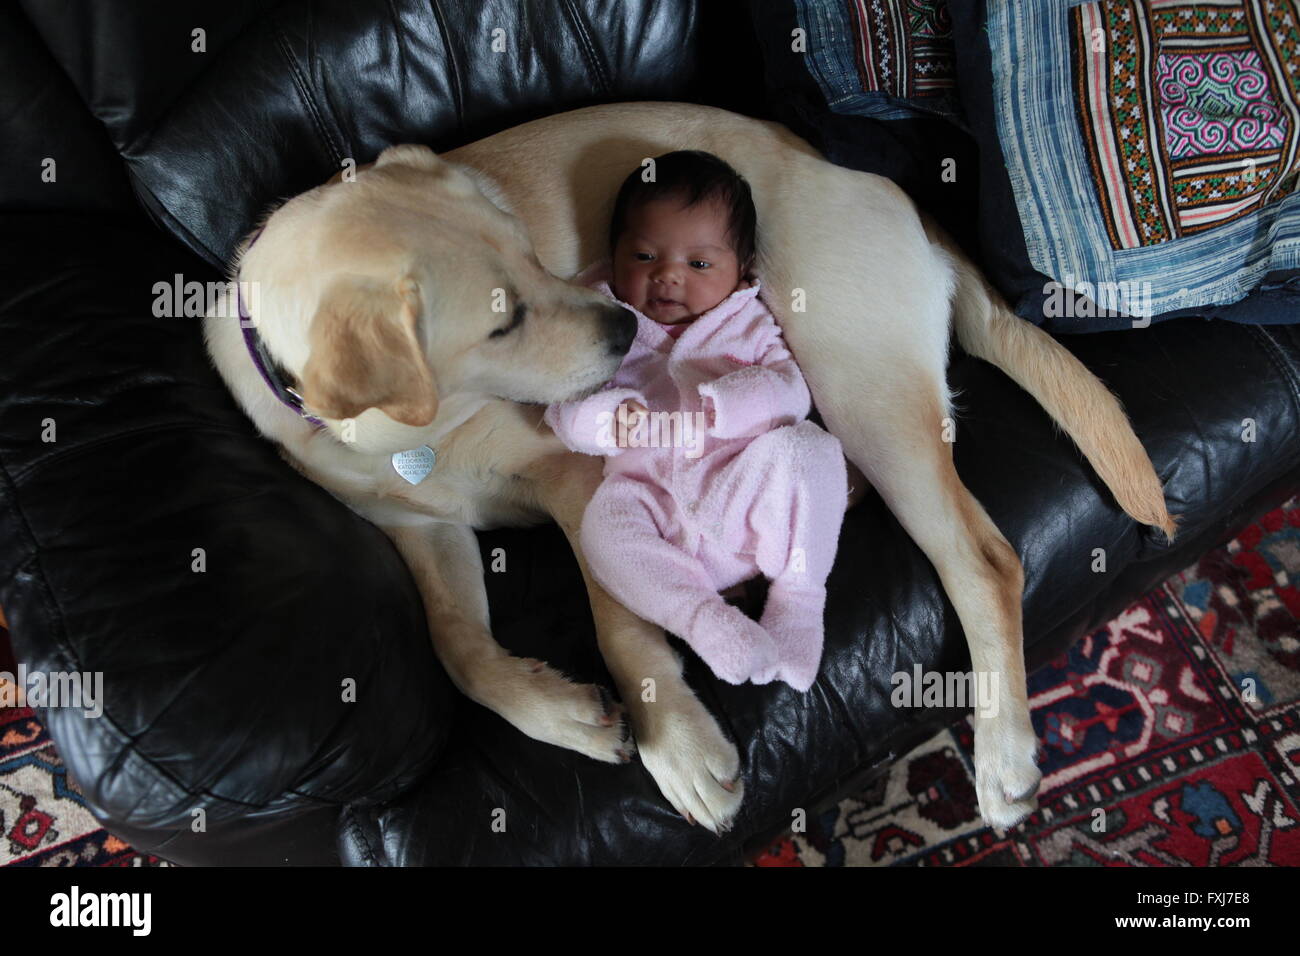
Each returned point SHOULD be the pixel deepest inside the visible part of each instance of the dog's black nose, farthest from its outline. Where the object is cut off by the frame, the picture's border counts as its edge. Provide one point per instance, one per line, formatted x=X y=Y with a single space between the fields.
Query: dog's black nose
x=620 y=329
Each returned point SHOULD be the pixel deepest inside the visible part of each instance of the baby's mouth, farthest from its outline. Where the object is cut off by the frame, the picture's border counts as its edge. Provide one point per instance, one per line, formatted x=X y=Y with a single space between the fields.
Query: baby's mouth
x=663 y=303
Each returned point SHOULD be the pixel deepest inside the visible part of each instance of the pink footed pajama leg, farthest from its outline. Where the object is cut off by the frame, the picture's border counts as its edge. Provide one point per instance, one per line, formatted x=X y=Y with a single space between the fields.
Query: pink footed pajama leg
x=624 y=537
x=796 y=549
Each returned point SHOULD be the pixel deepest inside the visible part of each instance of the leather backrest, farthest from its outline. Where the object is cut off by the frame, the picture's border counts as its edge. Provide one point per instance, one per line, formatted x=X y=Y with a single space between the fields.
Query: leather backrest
x=282 y=96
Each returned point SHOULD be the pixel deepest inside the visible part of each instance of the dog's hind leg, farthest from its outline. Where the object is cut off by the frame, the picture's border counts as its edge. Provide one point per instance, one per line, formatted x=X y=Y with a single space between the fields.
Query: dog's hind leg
x=907 y=460
x=694 y=764
x=541 y=702
x=873 y=345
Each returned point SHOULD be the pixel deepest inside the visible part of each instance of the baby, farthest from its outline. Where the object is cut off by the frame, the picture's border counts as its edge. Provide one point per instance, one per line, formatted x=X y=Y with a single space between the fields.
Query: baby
x=712 y=472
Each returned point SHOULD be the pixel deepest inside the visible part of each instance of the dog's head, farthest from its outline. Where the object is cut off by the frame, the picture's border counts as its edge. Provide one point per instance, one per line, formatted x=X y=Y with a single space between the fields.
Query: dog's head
x=407 y=285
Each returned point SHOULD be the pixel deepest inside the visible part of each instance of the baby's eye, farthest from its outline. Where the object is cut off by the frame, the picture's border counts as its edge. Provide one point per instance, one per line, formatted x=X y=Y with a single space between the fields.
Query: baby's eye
x=643 y=256
x=701 y=263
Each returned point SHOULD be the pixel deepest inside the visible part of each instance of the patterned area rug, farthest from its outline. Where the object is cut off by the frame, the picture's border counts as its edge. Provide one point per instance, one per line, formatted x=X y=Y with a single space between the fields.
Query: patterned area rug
x=43 y=816
x=1172 y=737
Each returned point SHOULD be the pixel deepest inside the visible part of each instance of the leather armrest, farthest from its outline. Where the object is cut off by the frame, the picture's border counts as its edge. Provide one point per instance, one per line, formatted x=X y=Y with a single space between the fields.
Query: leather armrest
x=159 y=541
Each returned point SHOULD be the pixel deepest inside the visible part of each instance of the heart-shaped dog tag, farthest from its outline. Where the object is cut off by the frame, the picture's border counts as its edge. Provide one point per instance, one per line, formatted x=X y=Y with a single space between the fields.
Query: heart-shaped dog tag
x=414 y=464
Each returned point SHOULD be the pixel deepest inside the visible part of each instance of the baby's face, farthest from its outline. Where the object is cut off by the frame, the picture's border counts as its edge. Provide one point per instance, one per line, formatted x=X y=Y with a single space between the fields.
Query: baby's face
x=673 y=264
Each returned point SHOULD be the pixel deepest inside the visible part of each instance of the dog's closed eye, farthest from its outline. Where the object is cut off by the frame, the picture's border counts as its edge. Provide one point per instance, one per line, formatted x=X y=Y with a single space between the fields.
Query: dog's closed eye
x=515 y=321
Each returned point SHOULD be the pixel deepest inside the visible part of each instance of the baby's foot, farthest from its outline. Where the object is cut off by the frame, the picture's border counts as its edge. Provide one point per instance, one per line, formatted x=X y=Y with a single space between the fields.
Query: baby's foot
x=793 y=617
x=736 y=648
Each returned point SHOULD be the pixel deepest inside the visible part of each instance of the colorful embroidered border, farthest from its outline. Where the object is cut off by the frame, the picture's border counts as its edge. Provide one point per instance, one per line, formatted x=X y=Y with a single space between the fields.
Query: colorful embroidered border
x=1105 y=196
x=1181 y=111
x=902 y=47
x=888 y=59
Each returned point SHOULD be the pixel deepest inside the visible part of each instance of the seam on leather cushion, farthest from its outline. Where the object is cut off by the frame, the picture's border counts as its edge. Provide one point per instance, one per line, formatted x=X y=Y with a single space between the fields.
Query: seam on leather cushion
x=163 y=217
x=353 y=829
x=304 y=90
x=588 y=48
x=453 y=74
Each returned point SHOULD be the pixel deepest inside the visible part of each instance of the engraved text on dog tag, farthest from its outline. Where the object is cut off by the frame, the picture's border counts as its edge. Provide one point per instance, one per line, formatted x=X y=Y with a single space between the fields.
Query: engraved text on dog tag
x=414 y=464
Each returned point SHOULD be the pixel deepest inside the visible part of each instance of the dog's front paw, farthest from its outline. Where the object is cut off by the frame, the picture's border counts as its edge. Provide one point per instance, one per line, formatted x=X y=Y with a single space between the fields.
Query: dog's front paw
x=1006 y=773
x=696 y=767
x=547 y=706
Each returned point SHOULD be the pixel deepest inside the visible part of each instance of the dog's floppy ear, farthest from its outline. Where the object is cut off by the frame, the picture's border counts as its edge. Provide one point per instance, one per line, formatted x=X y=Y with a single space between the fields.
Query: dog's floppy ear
x=365 y=353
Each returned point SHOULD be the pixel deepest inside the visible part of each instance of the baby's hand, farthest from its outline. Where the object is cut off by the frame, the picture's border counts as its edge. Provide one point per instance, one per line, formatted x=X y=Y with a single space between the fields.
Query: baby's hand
x=710 y=414
x=631 y=413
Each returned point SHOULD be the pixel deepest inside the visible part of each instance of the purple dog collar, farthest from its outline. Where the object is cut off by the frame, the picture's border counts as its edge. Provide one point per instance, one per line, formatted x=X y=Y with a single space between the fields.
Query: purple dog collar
x=274 y=376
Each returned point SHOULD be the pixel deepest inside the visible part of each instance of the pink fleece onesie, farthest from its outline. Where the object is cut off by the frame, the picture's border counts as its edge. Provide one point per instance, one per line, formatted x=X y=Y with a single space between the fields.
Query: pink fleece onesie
x=725 y=480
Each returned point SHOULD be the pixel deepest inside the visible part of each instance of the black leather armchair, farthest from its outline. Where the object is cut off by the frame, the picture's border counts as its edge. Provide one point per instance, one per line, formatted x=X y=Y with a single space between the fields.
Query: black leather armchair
x=221 y=665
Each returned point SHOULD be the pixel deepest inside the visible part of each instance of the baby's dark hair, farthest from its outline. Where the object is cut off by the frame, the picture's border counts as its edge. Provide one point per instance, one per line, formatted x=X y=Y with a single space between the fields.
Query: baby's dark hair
x=693 y=176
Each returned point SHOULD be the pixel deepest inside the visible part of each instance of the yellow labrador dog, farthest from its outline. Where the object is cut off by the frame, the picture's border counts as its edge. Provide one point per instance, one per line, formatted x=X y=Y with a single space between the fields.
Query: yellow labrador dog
x=419 y=316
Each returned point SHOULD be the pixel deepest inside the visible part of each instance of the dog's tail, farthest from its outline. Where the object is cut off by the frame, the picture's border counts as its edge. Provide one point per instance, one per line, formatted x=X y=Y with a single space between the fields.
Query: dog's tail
x=1071 y=394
